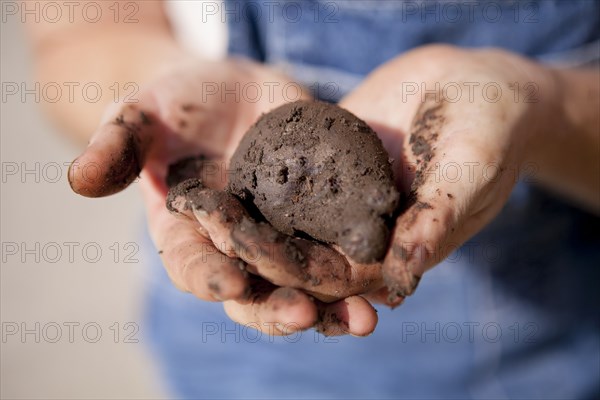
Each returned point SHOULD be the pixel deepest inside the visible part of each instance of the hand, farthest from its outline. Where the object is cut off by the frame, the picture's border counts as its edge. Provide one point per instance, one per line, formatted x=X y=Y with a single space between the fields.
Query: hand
x=176 y=117
x=458 y=149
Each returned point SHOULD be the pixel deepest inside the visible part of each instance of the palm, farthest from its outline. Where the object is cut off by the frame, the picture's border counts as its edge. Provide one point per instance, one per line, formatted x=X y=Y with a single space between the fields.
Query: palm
x=456 y=149
x=178 y=116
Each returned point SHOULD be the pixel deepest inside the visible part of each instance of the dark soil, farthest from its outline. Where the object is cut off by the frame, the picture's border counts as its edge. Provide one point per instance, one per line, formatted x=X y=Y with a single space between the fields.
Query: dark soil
x=187 y=168
x=315 y=170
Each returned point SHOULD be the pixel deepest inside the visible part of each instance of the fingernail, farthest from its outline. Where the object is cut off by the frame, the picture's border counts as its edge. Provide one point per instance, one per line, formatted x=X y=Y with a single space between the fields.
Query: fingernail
x=215 y=290
x=400 y=283
x=419 y=259
x=70 y=174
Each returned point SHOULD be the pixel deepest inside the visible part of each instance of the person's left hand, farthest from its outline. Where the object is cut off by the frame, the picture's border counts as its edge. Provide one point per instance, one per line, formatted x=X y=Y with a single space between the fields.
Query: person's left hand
x=460 y=125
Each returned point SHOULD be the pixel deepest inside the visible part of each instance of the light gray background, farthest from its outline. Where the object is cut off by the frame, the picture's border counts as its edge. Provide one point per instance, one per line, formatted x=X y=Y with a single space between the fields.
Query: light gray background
x=62 y=292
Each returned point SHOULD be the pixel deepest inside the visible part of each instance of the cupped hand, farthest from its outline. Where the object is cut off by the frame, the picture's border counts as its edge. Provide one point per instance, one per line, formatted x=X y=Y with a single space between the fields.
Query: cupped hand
x=459 y=124
x=205 y=108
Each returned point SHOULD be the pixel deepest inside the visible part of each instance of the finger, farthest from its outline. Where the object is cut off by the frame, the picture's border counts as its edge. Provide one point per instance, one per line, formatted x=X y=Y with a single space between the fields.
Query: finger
x=353 y=315
x=191 y=260
x=274 y=310
x=183 y=177
x=444 y=210
x=196 y=266
x=288 y=261
x=383 y=296
x=283 y=311
x=217 y=212
x=281 y=259
x=116 y=153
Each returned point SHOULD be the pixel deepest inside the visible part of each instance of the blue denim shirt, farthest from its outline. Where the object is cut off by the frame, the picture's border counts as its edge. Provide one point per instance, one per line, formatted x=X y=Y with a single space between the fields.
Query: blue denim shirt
x=342 y=41
x=511 y=314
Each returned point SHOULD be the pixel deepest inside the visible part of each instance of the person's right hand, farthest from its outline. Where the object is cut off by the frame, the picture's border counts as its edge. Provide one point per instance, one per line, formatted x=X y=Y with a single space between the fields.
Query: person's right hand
x=180 y=115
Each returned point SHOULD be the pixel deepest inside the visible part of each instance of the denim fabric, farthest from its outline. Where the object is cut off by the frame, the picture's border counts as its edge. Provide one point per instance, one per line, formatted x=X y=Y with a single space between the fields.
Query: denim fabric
x=342 y=41
x=511 y=314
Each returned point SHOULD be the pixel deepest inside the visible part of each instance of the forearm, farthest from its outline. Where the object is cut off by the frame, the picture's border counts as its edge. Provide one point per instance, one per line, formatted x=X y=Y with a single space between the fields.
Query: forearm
x=116 y=57
x=566 y=154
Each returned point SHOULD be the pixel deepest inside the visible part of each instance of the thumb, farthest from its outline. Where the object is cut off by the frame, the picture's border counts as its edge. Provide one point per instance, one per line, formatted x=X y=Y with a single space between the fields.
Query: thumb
x=445 y=211
x=116 y=153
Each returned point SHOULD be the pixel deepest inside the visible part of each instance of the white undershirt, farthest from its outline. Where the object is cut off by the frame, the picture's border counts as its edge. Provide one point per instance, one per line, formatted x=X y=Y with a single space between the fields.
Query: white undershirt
x=198 y=26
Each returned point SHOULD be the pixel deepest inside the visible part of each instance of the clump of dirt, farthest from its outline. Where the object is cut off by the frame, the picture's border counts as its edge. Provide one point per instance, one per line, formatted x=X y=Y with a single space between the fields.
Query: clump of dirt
x=315 y=170
x=187 y=168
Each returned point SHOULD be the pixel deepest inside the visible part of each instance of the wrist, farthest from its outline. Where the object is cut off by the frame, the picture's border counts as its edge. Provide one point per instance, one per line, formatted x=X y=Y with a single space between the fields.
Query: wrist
x=543 y=97
x=564 y=146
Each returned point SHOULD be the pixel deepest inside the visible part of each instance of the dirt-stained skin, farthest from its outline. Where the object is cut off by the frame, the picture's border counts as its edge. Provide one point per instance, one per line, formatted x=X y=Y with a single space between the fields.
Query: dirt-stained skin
x=123 y=167
x=264 y=251
x=424 y=134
